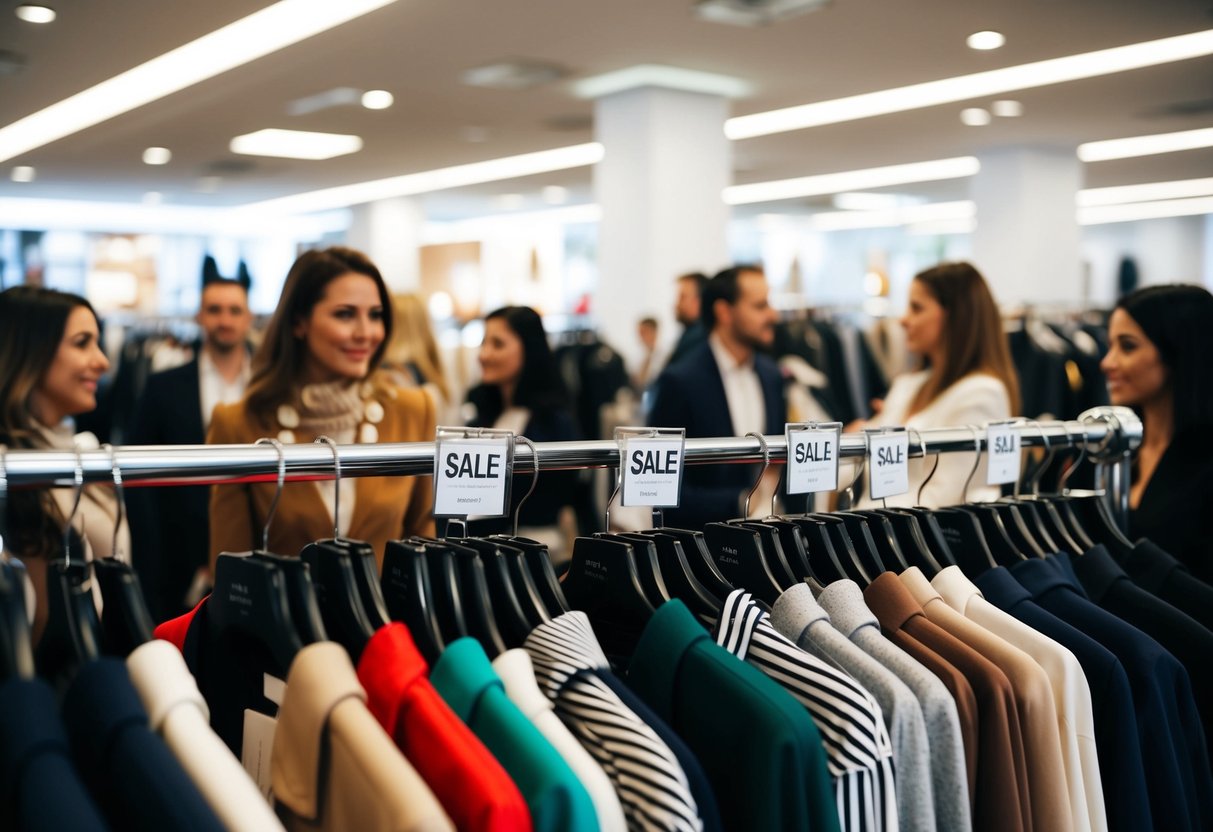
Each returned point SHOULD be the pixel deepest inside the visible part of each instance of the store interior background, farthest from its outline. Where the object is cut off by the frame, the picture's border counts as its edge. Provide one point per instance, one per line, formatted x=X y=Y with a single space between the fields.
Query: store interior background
x=640 y=196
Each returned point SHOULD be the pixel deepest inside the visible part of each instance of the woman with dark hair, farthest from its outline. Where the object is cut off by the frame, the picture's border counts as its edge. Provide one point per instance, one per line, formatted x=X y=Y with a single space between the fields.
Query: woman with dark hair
x=953 y=324
x=50 y=364
x=521 y=390
x=316 y=374
x=1160 y=363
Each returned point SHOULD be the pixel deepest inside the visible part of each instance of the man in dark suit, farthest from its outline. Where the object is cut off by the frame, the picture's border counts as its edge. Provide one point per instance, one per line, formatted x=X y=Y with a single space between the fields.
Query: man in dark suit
x=687 y=311
x=169 y=525
x=724 y=387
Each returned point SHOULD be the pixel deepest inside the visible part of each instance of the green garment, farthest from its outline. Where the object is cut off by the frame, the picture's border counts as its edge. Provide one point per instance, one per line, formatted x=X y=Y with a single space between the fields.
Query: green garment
x=557 y=800
x=757 y=744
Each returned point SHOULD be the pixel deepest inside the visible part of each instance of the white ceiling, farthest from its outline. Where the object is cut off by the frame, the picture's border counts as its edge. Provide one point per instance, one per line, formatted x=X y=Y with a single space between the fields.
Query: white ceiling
x=418 y=49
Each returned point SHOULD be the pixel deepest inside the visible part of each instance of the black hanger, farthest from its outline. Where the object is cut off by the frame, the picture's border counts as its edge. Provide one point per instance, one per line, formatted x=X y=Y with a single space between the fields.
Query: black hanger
x=604 y=583
x=989 y=524
x=478 y=610
x=1010 y=520
x=447 y=592
x=680 y=578
x=648 y=568
x=739 y=554
x=127 y=622
x=409 y=597
x=512 y=621
x=531 y=564
x=1096 y=517
x=699 y=559
x=856 y=567
x=770 y=546
x=888 y=547
x=16 y=649
x=965 y=540
x=907 y=526
x=73 y=632
x=795 y=548
x=1061 y=502
x=823 y=558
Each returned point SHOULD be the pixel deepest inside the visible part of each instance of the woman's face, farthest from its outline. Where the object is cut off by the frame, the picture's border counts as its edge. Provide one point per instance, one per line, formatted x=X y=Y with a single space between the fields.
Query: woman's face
x=501 y=354
x=343 y=331
x=69 y=385
x=923 y=321
x=1135 y=371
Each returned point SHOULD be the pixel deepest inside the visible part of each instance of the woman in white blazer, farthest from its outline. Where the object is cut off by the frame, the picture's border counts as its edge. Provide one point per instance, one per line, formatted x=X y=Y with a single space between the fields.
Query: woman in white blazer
x=953 y=323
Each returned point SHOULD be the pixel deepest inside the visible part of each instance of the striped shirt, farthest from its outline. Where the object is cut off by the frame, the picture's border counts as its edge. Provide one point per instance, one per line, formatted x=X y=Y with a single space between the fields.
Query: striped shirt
x=651 y=785
x=849 y=719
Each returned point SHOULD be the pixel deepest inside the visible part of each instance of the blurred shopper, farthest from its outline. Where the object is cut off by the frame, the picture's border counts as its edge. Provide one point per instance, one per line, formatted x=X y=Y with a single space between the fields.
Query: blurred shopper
x=725 y=387
x=1159 y=363
x=652 y=360
x=50 y=364
x=522 y=391
x=315 y=374
x=169 y=525
x=688 y=312
x=953 y=325
x=412 y=357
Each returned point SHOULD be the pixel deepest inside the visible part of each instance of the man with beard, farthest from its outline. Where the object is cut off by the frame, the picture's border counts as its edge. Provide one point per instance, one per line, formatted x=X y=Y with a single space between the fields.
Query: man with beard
x=169 y=526
x=687 y=307
x=725 y=387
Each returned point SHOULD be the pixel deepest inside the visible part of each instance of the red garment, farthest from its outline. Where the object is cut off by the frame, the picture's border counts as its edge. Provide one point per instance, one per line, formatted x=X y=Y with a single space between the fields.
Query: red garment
x=173 y=631
x=469 y=782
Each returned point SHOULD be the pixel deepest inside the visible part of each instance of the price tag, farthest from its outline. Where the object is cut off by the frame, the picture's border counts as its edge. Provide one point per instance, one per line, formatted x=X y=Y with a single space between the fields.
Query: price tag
x=472 y=476
x=888 y=465
x=1002 y=444
x=812 y=457
x=652 y=471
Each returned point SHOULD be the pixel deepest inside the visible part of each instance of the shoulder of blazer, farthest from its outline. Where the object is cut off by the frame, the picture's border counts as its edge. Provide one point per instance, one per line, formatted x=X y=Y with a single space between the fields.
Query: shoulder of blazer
x=409 y=415
x=180 y=376
x=695 y=365
x=976 y=390
x=232 y=424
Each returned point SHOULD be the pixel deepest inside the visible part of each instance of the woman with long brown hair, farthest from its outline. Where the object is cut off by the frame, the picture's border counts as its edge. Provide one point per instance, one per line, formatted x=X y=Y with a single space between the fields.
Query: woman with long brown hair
x=953 y=324
x=316 y=374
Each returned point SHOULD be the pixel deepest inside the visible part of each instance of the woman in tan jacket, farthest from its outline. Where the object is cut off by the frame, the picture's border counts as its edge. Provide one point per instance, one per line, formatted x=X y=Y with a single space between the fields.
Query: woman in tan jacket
x=316 y=374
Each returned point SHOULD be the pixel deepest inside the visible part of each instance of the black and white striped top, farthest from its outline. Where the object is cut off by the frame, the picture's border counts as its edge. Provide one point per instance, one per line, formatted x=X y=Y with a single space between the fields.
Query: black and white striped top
x=651 y=784
x=850 y=721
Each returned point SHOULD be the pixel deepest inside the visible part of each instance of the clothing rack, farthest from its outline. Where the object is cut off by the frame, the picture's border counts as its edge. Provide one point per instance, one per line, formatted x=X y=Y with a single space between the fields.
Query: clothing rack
x=1108 y=434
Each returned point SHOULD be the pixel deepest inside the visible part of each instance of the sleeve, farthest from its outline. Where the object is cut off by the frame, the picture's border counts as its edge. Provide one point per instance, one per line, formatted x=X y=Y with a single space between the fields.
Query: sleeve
x=231 y=520
x=419 y=513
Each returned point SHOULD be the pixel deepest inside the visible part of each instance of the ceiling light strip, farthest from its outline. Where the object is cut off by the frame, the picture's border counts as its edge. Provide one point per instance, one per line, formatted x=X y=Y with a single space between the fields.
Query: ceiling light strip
x=977 y=85
x=261 y=33
x=854 y=180
x=1134 y=212
x=1145 y=192
x=410 y=184
x=1135 y=146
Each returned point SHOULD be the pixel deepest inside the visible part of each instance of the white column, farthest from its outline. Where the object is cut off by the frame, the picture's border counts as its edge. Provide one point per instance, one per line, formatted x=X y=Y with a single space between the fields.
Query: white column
x=659 y=186
x=389 y=232
x=1027 y=240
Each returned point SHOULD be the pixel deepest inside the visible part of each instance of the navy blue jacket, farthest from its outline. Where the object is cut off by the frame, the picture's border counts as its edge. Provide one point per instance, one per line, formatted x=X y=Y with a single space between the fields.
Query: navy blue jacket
x=1116 y=739
x=1162 y=575
x=1178 y=779
x=690 y=394
x=40 y=789
x=130 y=770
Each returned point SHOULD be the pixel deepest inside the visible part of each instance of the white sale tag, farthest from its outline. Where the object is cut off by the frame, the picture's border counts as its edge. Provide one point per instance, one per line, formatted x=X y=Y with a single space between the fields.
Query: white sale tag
x=652 y=471
x=471 y=476
x=888 y=465
x=812 y=459
x=1002 y=444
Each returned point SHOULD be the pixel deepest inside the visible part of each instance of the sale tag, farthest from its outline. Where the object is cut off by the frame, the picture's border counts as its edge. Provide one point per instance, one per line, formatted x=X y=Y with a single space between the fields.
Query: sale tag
x=888 y=465
x=472 y=476
x=1002 y=444
x=652 y=471
x=812 y=457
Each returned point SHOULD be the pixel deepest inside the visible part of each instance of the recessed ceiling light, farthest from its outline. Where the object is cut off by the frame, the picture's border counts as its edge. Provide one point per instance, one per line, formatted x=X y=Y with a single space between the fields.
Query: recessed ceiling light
x=31 y=13
x=555 y=195
x=23 y=173
x=975 y=116
x=852 y=180
x=157 y=156
x=491 y=170
x=968 y=87
x=265 y=31
x=1145 y=145
x=1007 y=108
x=377 y=99
x=295 y=144
x=986 y=40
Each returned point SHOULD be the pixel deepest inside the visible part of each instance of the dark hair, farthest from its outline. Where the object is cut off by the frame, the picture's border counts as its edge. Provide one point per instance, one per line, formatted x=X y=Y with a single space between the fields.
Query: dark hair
x=32 y=323
x=698 y=278
x=723 y=286
x=278 y=363
x=973 y=337
x=1178 y=320
x=540 y=386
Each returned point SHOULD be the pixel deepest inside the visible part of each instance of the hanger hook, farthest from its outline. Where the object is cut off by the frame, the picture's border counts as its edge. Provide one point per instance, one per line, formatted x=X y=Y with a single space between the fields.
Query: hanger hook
x=119 y=492
x=1082 y=455
x=964 y=497
x=78 y=487
x=614 y=494
x=850 y=489
x=269 y=517
x=766 y=464
x=922 y=443
x=1050 y=452
x=332 y=446
x=534 y=480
